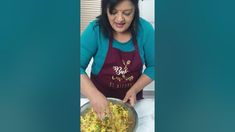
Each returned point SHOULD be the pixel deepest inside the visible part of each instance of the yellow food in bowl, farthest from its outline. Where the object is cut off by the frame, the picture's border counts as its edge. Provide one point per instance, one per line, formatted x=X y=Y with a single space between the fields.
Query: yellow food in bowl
x=116 y=121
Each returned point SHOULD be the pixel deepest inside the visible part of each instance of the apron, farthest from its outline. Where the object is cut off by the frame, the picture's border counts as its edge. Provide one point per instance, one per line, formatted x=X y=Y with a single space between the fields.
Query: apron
x=120 y=71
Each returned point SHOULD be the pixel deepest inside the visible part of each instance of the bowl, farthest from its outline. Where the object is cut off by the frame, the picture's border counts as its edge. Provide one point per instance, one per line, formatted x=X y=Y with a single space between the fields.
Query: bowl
x=132 y=113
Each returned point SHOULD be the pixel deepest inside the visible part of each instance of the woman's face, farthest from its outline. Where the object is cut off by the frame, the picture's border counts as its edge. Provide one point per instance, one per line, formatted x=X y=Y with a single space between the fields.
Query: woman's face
x=121 y=16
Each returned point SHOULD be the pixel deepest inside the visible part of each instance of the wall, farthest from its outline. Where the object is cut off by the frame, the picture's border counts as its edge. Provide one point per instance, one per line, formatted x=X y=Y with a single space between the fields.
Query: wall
x=91 y=9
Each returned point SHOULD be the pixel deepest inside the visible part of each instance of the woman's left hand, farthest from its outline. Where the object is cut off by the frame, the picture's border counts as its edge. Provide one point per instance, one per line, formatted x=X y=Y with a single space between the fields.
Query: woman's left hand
x=131 y=96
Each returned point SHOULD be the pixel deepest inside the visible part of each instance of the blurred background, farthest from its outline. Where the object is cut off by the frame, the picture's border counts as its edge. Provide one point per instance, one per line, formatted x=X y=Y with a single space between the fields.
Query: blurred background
x=39 y=76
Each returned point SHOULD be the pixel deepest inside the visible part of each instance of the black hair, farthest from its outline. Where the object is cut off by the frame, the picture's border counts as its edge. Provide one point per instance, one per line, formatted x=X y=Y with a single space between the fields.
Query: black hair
x=103 y=22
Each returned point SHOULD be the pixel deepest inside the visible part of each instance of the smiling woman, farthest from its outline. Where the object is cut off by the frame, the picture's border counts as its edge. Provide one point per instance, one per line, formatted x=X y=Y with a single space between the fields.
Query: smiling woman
x=120 y=43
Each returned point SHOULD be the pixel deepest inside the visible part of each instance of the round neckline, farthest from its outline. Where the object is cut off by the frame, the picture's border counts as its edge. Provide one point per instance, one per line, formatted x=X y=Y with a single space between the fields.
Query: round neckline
x=123 y=43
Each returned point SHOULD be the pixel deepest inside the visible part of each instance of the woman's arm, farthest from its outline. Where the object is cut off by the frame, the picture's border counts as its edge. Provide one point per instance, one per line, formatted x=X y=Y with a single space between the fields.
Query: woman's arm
x=98 y=101
x=148 y=75
x=143 y=81
x=88 y=48
x=88 y=89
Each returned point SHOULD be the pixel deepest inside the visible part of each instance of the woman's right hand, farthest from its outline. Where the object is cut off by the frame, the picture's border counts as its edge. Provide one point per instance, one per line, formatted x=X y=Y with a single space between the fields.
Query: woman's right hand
x=98 y=101
x=99 y=104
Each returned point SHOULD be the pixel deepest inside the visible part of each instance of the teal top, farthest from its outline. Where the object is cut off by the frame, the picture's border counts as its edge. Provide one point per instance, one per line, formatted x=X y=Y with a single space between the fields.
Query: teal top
x=95 y=44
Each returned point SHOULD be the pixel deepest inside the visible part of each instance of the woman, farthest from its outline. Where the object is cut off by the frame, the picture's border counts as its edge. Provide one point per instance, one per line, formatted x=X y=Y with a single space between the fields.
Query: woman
x=120 y=43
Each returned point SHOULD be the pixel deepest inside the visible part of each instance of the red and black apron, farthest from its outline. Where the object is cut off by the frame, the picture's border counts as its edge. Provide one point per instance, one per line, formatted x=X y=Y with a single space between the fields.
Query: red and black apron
x=119 y=72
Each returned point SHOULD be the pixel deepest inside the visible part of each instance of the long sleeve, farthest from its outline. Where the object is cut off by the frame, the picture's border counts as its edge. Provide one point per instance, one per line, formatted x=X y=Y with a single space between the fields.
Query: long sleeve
x=88 y=46
x=149 y=51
